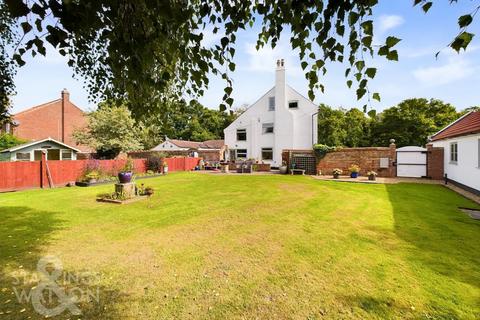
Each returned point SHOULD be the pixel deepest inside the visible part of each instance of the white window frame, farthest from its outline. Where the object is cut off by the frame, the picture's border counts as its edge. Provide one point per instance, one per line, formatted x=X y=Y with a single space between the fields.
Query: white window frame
x=454 y=152
x=271 y=107
x=29 y=156
x=266 y=126
x=241 y=157
x=68 y=150
x=292 y=101
x=241 y=129
x=266 y=150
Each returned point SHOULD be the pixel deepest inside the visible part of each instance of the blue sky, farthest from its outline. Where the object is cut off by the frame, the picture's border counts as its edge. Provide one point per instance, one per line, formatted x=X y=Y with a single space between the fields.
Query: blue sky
x=453 y=78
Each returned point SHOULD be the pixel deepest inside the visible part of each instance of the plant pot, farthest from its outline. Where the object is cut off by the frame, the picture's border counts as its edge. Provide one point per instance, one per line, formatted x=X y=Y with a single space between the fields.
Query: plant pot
x=336 y=176
x=165 y=170
x=354 y=175
x=125 y=177
x=283 y=169
x=372 y=177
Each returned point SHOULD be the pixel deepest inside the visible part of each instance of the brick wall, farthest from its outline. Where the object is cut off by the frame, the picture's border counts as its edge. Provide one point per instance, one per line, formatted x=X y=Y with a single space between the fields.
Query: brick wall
x=45 y=121
x=435 y=166
x=367 y=158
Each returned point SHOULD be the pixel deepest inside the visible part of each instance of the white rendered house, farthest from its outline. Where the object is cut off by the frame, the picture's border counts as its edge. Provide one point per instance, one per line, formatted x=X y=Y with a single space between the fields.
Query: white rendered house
x=281 y=119
x=461 y=144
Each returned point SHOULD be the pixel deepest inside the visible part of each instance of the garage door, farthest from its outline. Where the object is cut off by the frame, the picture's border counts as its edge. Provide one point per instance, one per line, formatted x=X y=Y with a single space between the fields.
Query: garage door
x=411 y=162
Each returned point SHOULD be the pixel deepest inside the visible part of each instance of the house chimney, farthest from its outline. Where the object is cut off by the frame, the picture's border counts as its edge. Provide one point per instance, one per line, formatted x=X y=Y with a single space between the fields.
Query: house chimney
x=65 y=99
x=280 y=85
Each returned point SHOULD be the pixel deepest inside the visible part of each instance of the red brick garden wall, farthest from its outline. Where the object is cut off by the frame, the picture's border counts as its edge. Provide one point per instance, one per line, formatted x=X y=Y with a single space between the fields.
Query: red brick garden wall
x=367 y=158
x=435 y=162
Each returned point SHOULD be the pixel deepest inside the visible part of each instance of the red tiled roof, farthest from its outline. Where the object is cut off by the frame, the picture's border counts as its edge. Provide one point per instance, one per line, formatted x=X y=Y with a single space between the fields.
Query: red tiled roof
x=185 y=144
x=468 y=124
x=208 y=144
x=212 y=144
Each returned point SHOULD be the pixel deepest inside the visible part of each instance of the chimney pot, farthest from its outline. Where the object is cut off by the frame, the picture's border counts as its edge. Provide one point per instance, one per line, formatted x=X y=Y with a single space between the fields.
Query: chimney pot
x=65 y=94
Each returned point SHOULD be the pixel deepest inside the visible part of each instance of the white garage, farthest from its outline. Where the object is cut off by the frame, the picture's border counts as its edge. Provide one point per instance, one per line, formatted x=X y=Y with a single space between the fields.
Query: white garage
x=411 y=162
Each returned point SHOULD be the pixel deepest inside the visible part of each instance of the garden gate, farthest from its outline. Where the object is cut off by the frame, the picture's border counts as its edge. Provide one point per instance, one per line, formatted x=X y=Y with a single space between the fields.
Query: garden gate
x=411 y=162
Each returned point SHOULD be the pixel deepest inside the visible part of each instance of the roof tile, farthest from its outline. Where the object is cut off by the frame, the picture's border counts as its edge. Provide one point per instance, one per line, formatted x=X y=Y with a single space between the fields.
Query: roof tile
x=469 y=124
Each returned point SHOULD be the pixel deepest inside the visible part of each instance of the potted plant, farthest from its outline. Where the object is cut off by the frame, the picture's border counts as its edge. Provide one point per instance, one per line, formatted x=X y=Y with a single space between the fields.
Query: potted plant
x=283 y=168
x=354 y=170
x=372 y=175
x=125 y=175
x=165 y=167
x=336 y=173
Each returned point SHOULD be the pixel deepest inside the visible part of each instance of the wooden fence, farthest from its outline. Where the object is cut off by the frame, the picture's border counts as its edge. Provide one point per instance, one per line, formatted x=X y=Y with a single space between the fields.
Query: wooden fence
x=33 y=174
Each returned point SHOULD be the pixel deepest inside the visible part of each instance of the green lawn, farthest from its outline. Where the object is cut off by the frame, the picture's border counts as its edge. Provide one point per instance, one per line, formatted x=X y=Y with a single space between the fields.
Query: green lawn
x=247 y=247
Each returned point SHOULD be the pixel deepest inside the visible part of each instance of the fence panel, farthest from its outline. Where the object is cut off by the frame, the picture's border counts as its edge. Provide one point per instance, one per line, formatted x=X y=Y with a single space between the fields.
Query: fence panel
x=24 y=175
x=19 y=175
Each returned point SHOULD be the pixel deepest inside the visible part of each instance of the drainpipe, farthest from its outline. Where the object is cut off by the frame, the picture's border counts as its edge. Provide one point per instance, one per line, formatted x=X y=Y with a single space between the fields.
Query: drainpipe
x=313 y=129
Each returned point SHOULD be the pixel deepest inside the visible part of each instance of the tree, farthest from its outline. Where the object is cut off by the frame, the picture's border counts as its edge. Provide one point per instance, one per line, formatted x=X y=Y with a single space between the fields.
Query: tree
x=331 y=126
x=7 y=67
x=412 y=121
x=357 y=128
x=342 y=128
x=182 y=120
x=135 y=50
x=8 y=140
x=110 y=130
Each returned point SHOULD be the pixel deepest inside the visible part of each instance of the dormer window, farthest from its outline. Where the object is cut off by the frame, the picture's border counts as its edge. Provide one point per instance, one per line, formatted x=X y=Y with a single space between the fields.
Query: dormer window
x=271 y=104
x=293 y=104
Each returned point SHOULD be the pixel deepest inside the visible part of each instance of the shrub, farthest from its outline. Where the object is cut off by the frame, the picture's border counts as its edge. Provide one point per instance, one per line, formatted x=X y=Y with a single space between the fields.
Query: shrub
x=371 y=173
x=155 y=161
x=321 y=150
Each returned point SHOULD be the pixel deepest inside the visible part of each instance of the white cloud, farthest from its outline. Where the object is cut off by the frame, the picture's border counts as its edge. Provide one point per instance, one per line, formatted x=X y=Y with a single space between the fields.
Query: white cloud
x=263 y=60
x=455 y=69
x=387 y=22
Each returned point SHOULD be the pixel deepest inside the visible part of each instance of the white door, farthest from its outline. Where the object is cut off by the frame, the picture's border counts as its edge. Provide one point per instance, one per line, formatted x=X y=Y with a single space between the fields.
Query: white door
x=411 y=162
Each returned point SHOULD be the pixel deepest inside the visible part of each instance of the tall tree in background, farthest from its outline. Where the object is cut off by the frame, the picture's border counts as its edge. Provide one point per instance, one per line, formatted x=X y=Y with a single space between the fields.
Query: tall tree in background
x=110 y=130
x=135 y=50
x=331 y=124
x=186 y=121
x=357 y=128
x=412 y=121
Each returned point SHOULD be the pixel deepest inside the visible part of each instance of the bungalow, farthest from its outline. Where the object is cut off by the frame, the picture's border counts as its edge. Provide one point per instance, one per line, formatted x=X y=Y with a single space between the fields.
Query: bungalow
x=209 y=150
x=461 y=143
x=32 y=151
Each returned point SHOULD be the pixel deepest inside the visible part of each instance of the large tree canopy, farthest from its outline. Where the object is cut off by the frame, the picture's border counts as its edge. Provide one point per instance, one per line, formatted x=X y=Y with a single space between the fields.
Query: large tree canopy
x=133 y=50
x=410 y=122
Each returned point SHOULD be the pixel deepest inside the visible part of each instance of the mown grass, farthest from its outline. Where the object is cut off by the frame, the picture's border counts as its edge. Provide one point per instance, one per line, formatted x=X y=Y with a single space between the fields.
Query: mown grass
x=246 y=247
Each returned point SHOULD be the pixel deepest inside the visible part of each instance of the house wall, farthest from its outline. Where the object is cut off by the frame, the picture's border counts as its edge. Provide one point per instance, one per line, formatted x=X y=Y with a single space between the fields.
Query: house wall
x=46 y=121
x=292 y=127
x=467 y=169
x=47 y=145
